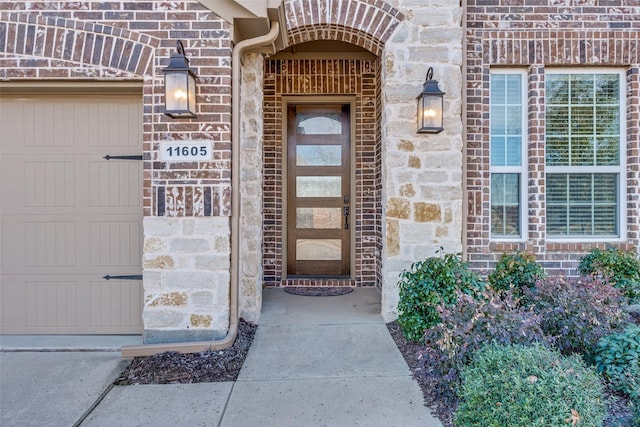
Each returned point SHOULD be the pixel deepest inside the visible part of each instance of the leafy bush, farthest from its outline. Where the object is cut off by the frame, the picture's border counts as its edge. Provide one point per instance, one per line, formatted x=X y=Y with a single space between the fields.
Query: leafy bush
x=427 y=285
x=529 y=386
x=618 y=358
x=578 y=312
x=467 y=327
x=618 y=267
x=516 y=271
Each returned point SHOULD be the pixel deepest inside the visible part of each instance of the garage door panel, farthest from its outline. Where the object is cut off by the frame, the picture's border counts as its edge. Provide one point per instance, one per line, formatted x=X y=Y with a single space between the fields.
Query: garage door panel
x=115 y=303
x=97 y=245
x=50 y=244
x=110 y=136
x=113 y=244
x=70 y=305
x=50 y=183
x=71 y=124
x=52 y=304
x=78 y=187
x=30 y=244
x=70 y=217
x=114 y=184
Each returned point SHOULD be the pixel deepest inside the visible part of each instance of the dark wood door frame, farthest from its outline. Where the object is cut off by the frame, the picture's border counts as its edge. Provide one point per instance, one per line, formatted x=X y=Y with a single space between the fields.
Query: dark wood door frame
x=337 y=204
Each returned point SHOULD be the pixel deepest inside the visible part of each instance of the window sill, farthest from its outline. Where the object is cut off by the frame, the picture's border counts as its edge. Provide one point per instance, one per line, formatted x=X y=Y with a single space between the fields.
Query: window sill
x=584 y=245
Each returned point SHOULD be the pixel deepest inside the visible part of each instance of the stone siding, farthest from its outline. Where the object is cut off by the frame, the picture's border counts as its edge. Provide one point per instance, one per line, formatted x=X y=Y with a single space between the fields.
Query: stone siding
x=422 y=173
x=251 y=188
x=186 y=278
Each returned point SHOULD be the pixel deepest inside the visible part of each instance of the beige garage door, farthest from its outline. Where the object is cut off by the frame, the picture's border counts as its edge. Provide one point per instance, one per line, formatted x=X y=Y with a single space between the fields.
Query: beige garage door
x=68 y=216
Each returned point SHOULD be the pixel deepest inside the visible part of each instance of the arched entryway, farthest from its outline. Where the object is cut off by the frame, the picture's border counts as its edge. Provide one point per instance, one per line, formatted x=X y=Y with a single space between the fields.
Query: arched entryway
x=333 y=62
x=322 y=188
x=310 y=201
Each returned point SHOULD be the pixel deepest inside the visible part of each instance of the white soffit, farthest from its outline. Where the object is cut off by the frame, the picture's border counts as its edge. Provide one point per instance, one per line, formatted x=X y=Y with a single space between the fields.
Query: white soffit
x=250 y=18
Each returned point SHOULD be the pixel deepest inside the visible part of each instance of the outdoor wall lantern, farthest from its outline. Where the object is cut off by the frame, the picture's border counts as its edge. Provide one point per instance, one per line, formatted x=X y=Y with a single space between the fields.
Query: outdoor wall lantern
x=430 y=106
x=179 y=86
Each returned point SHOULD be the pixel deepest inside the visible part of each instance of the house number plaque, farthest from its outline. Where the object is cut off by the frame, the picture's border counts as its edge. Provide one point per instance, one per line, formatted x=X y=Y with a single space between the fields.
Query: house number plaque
x=185 y=151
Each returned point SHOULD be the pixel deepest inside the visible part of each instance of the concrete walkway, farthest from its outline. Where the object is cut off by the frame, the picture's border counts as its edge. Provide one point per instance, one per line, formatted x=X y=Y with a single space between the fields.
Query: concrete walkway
x=315 y=361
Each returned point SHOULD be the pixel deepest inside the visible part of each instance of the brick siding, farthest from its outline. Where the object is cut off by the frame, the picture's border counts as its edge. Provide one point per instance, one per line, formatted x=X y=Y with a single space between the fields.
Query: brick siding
x=535 y=35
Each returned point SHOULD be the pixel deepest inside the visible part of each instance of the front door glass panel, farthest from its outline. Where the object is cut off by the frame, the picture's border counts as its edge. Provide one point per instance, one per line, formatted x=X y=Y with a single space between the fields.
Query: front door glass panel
x=319 y=123
x=318 y=186
x=318 y=155
x=319 y=218
x=318 y=250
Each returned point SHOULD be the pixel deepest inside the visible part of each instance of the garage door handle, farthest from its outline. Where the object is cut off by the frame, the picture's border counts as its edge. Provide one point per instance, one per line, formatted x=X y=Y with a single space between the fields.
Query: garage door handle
x=133 y=277
x=109 y=157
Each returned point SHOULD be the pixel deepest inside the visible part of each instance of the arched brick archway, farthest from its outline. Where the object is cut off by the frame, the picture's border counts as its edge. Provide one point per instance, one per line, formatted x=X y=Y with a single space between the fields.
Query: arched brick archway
x=364 y=23
x=367 y=24
x=80 y=49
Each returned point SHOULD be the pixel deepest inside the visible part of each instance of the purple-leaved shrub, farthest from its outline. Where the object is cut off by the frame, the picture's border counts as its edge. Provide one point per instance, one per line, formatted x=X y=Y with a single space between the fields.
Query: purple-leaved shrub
x=577 y=312
x=468 y=326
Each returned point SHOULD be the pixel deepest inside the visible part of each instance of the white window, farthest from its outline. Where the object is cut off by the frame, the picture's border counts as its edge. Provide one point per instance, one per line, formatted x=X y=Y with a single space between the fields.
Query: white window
x=508 y=130
x=584 y=161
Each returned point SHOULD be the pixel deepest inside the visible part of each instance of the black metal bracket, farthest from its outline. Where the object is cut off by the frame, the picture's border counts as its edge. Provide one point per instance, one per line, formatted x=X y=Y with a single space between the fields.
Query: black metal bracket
x=109 y=157
x=346 y=218
x=132 y=277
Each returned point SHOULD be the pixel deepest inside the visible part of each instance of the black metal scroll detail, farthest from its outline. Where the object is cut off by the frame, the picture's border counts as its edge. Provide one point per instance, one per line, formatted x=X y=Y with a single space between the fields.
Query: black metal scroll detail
x=109 y=157
x=132 y=277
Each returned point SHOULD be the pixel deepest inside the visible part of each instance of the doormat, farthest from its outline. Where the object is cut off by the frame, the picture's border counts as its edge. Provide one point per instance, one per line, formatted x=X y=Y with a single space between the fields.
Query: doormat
x=318 y=291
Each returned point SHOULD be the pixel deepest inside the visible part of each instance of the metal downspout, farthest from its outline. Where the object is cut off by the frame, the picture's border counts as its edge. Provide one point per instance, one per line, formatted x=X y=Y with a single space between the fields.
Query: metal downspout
x=228 y=340
x=463 y=117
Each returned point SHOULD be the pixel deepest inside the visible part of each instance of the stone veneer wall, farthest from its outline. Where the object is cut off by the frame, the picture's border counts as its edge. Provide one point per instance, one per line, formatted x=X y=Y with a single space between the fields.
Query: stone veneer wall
x=535 y=36
x=186 y=275
x=186 y=205
x=421 y=173
x=251 y=188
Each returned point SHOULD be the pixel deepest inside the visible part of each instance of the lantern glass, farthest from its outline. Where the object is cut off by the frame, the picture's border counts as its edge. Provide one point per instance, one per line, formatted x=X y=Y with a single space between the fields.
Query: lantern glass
x=180 y=94
x=430 y=113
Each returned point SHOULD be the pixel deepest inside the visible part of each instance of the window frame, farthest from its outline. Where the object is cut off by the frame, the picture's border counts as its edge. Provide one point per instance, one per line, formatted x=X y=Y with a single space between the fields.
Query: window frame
x=522 y=169
x=619 y=170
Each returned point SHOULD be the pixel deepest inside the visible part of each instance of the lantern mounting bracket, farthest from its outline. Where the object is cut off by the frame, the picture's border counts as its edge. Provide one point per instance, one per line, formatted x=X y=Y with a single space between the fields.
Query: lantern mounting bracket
x=179 y=85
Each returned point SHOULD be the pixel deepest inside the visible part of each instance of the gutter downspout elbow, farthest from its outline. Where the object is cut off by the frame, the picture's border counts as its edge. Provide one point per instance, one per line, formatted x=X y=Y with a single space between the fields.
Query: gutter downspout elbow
x=229 y=339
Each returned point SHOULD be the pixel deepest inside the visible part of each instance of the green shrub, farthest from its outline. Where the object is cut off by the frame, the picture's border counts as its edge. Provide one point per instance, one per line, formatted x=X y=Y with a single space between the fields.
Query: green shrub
x=577 y=312
x=427 y=285
x=618 y=359
x=467 y=327
x=516 y=271
x=618 y=267
x=533 y=386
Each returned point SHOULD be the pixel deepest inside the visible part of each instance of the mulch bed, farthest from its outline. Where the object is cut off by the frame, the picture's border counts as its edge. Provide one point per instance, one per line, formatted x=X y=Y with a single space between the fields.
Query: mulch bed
x=177 y=368
x=318 y=291
x=410 y=352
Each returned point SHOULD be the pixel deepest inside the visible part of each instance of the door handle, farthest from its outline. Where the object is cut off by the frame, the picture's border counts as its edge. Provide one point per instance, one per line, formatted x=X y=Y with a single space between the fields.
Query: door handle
x=346 y=217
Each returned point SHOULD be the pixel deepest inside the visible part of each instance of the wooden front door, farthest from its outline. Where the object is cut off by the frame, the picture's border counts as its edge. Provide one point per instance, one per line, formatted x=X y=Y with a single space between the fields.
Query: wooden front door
x=318 y=189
